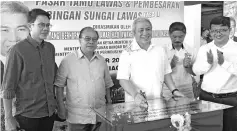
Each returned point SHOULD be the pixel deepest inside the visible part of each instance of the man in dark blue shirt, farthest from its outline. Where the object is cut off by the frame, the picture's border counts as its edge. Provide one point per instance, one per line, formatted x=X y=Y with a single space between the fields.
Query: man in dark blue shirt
x=29 y=76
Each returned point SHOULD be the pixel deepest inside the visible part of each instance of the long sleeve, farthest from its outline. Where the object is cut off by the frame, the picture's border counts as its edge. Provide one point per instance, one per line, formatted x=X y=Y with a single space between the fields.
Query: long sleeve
x=201 y=66
x=2 y=70
x=12 y=74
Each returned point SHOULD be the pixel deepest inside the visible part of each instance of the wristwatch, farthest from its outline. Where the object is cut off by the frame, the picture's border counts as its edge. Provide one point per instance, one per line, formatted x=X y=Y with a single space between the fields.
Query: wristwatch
x=174 y=91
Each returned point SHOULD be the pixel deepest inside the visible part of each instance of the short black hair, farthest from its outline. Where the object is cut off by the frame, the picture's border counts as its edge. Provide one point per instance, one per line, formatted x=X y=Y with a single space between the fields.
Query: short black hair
x=88 y=27
x=177 y=26
x=220 y=20
x=34 y=13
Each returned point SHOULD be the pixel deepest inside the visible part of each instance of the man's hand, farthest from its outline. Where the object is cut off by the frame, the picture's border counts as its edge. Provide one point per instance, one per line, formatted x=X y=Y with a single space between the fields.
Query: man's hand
x=174 y=61
x=140 y=100
x=210 y=57
x=108 y=97
x=220 y=57
x=62 y=113
x=109 y=101
x=178 y=93
x=99 y=103
x=11 y=124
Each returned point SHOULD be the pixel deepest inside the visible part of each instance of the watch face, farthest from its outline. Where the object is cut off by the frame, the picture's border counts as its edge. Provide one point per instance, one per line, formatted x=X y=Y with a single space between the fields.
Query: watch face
x=174 y=91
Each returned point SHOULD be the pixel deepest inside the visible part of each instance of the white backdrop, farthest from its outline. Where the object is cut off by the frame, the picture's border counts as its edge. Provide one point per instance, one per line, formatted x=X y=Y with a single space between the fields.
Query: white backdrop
x=68 y=18
x=192 y=20
x=230 y=9
x=113 y=20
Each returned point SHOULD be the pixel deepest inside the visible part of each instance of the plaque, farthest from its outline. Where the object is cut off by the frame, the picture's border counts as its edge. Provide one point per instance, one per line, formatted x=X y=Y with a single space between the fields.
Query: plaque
x=158 y=109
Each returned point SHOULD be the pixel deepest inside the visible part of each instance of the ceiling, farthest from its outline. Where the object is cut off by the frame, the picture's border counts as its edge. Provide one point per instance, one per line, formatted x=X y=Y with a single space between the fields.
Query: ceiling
x=206 y=5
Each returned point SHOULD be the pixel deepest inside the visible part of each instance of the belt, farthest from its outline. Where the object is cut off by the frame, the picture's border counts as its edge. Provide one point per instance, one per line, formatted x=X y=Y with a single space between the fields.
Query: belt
x=222 y=95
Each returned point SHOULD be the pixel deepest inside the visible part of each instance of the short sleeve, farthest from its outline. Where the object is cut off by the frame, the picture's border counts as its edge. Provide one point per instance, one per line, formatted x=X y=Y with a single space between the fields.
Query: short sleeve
x=124 y=66
x=167 y=67
x=108 y=81
x=200 y=65
x=62 y=73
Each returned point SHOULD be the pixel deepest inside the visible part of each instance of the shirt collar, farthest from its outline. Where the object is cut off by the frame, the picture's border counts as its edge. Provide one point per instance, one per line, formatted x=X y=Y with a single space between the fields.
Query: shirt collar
x=134 y=45
x=230 y=41
x=182 y=48
x=34 y=42
x=79 y=54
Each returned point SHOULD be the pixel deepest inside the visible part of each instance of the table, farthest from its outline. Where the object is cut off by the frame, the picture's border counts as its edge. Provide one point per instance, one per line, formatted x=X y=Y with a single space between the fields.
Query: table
x=205 y=116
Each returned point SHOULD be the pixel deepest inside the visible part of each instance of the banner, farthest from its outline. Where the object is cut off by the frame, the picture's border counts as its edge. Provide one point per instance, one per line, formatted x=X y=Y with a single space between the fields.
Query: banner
x=112 y=19
x=230 y=9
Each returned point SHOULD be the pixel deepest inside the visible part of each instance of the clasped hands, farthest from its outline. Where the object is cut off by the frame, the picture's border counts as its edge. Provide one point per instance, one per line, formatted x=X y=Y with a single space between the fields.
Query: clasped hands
x=187 y=61
x=220 y=57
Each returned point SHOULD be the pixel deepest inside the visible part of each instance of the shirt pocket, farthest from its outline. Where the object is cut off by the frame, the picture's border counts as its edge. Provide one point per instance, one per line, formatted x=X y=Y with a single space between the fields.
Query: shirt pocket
x=32 y=78
x=50 y=70
x=99 y=76
x=27 y=92
x=98 y=73
x=76 y=89
x=72 y=84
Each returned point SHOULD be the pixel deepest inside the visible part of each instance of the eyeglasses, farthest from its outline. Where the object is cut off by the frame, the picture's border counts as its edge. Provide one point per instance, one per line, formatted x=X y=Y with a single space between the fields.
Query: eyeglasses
x=42 y=25
x=219 y=30
x=90 y=38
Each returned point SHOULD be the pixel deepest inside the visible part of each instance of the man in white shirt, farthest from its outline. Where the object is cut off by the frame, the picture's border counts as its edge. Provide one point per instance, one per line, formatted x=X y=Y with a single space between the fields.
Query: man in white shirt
x=144 y=67
x=181 y=58
x=218 y=62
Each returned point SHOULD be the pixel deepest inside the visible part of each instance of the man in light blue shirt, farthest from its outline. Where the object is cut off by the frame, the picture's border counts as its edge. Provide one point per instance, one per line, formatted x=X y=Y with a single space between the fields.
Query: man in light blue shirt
x=86 y=76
